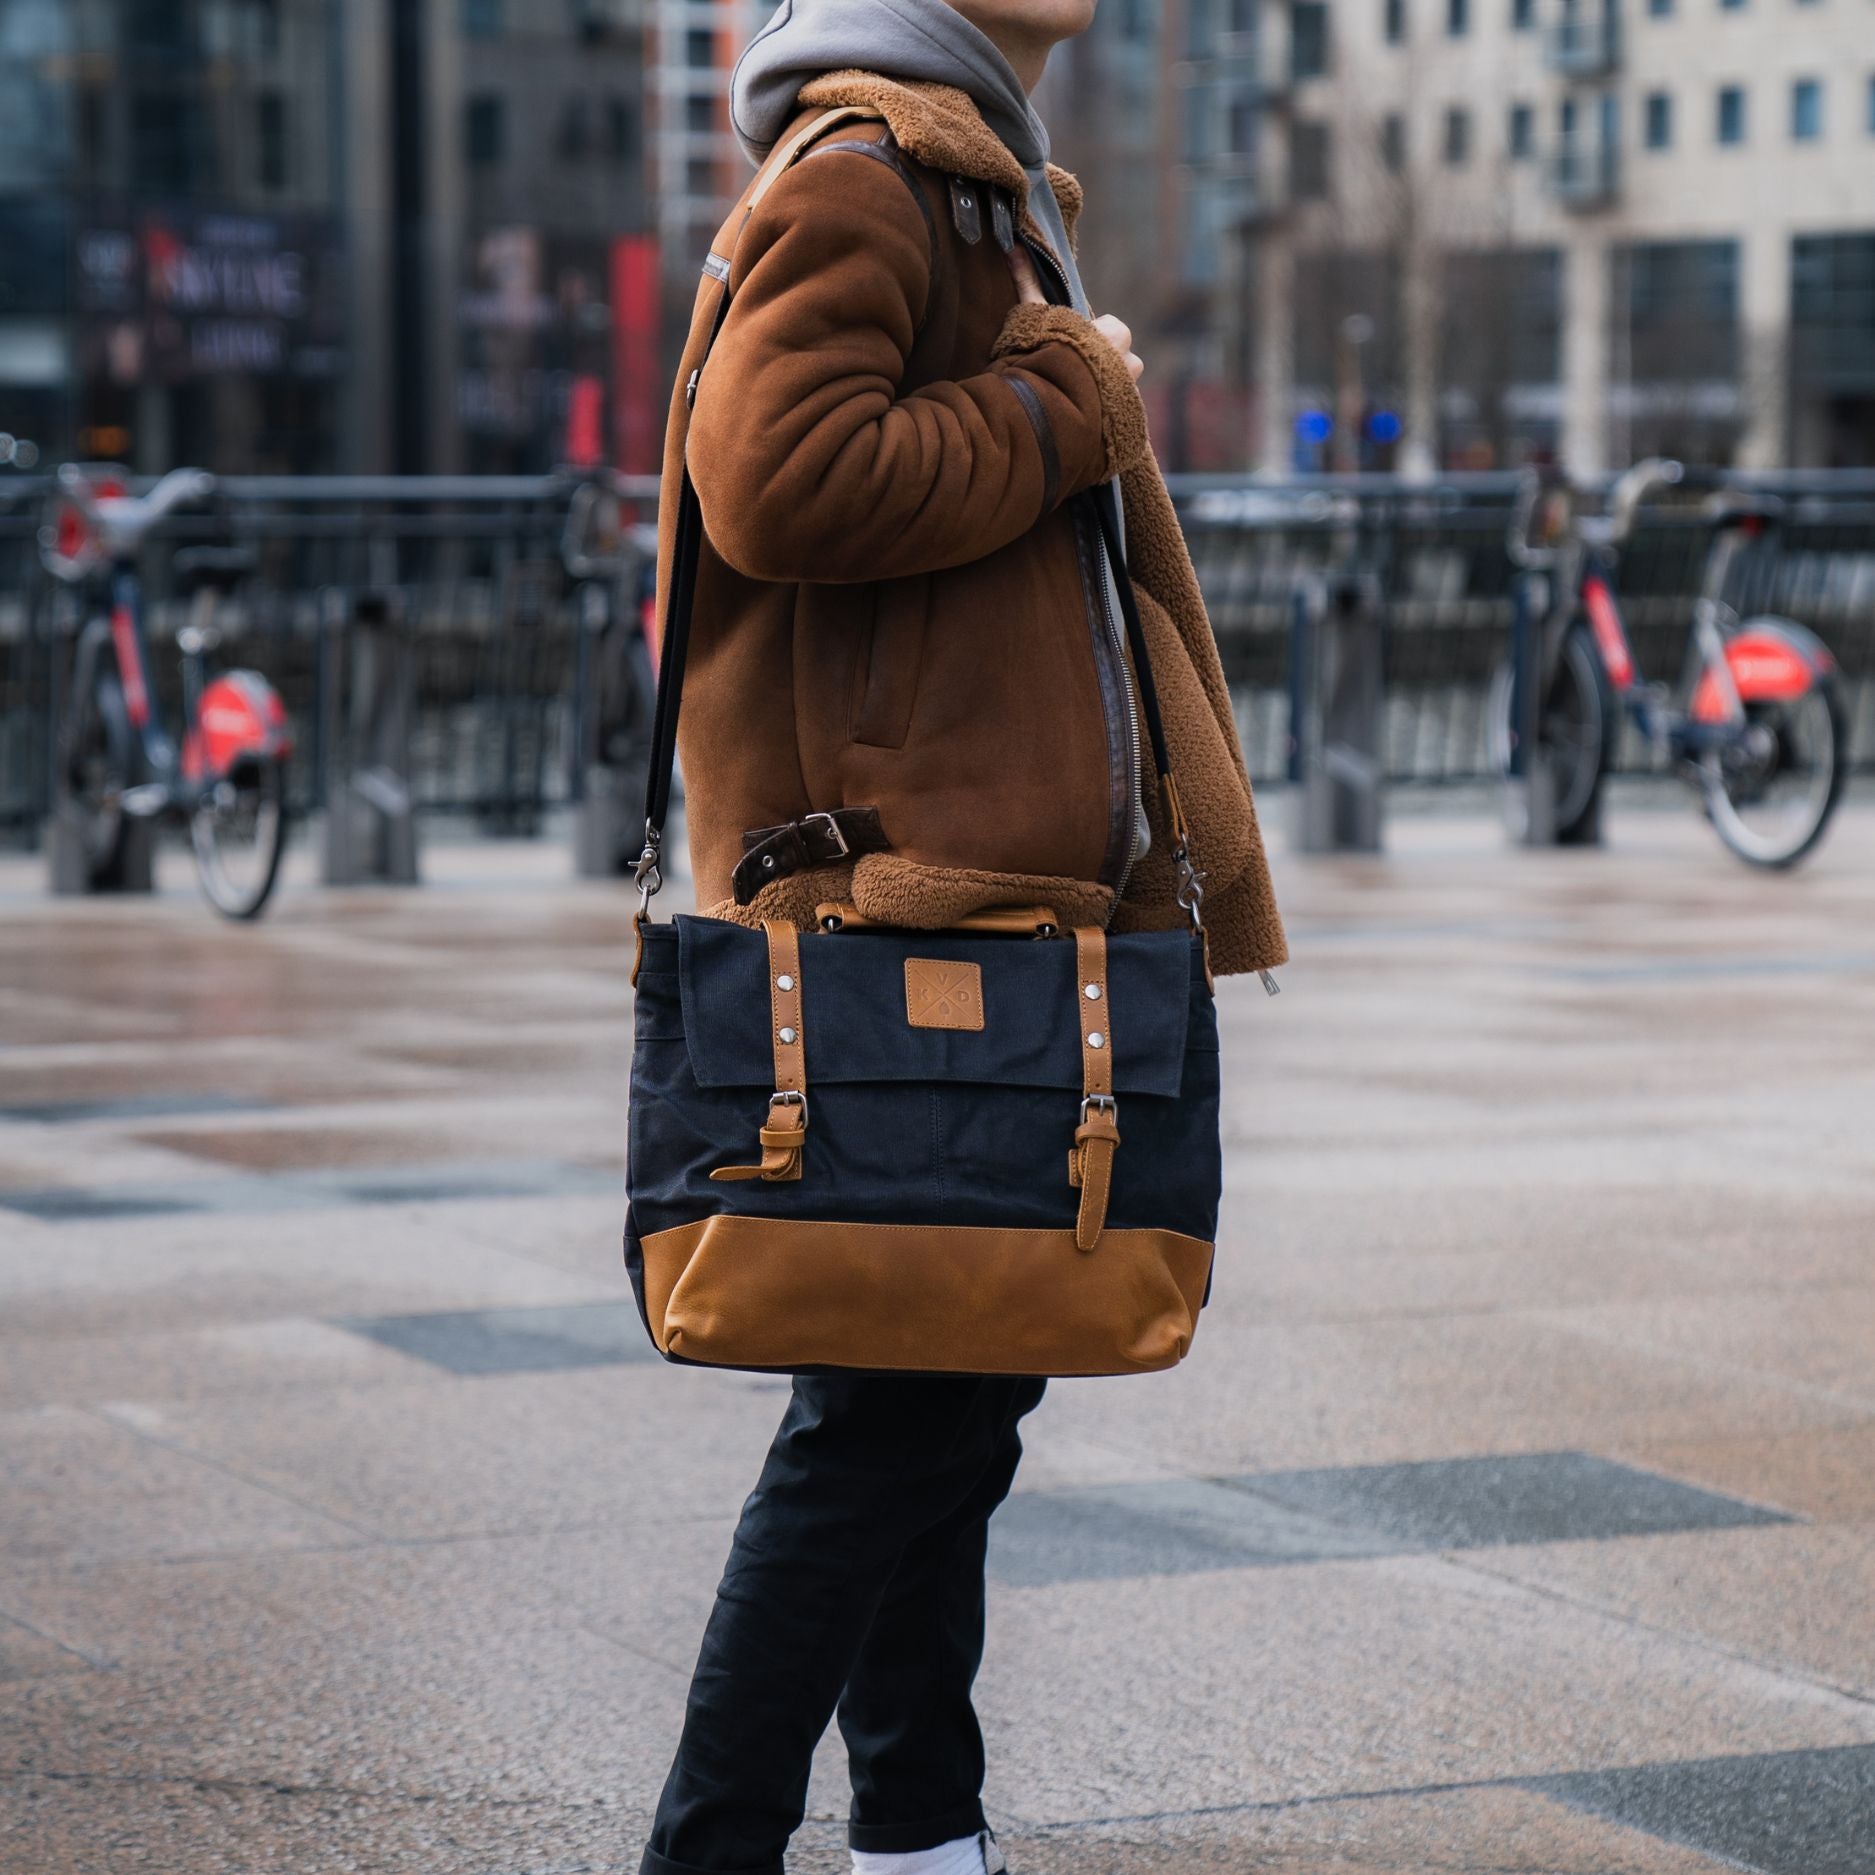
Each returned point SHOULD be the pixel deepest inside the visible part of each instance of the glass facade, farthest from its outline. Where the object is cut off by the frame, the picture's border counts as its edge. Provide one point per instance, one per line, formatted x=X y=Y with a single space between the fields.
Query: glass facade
x=212 y=210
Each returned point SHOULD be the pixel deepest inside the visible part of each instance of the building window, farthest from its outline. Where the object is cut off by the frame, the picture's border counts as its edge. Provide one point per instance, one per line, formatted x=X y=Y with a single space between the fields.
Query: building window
x=1457 y=136
x=1393 y=142
x=270 y=139
x=481 y=19
x=1308 y=39
x=1658 y=125
x=1806 y=110
x=1309 y=162
x=573 y=136
x=1395 y=22
x=1457 y=18
x=1871 y=107
x=700 y=114
x=1731 y=114
x=1523 y=16
x=1522 y=133
x=699 y=48
x=484 y=131
x=1660 y=9
x=621 y=130
x=1733 y=6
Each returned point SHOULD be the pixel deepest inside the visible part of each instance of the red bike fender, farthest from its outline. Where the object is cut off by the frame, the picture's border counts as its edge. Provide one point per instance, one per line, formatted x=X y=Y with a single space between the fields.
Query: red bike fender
x=240 y=715
x=1771 y=661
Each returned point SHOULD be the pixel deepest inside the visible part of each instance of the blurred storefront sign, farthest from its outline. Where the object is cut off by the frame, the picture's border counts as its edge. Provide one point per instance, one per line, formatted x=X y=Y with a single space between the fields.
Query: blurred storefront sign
x=535 y=336
x=170 y=296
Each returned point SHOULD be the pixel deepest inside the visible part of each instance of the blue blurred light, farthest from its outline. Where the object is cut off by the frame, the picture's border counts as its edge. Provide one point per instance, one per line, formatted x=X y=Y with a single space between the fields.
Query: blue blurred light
x=1384 y=426
x=1315 y=426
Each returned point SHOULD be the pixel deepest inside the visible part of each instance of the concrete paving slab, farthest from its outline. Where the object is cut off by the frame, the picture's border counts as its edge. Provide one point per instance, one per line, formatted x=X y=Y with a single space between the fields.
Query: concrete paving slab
x=1827 y=1474
x=1778 y=1595
x=516 y=1341
x=1172 y=1527
x=1785 y=1813
x=1206 y=1690
x=1526 y=1497
x=79 y=1488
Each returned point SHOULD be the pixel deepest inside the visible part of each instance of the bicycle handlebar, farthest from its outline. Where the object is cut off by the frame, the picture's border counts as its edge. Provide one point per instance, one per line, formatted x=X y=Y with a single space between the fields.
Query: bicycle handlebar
x=1624 y=505
x=115 y=525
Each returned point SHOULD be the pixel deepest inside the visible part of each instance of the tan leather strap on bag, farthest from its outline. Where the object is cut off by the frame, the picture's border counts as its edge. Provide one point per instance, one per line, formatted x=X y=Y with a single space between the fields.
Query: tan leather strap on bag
x=995 y=920
x=785 y=1131
x=1090 y=1158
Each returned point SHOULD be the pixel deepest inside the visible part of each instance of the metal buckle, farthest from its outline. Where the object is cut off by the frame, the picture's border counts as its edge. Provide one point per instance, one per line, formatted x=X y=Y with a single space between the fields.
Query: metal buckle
x=1190 y=892
x=788 y=1097
x=647 y=872
x=841 y=849
x=1101 y=1103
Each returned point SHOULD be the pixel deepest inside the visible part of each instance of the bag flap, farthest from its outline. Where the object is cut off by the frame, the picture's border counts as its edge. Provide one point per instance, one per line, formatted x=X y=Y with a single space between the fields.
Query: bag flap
x=856 y=1027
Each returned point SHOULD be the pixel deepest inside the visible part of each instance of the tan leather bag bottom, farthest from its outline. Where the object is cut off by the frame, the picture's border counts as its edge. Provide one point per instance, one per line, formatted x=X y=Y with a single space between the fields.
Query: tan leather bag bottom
x=922 y=1298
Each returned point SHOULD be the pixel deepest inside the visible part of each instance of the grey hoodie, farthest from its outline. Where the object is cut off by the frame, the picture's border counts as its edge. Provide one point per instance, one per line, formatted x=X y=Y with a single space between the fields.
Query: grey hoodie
x=922 y=40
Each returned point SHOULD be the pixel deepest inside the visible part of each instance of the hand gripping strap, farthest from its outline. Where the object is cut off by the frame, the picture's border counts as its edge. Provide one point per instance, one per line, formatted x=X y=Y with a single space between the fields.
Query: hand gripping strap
x=784 y=1132
x=1090 y=1158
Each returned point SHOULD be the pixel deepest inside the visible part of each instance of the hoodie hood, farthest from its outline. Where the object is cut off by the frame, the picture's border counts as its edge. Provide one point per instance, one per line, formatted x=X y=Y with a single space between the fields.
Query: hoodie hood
x=916 y=40
x=906 y=43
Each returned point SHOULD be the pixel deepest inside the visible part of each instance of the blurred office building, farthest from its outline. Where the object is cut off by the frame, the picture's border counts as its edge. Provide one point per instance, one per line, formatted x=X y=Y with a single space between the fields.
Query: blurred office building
x=1469 y=232
x=323 y=235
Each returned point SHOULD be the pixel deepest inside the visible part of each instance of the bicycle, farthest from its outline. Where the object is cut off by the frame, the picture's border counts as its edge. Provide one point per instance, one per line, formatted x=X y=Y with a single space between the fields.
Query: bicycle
x=1756 y=724
x=116 y=764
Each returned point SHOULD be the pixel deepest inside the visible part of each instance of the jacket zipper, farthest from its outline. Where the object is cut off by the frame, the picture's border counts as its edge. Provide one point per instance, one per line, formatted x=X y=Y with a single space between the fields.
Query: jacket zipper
x=1113 y=634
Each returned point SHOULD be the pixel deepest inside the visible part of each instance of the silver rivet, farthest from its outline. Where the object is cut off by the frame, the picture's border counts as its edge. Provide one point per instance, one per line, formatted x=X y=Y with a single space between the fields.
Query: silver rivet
x=768 y=862
x=1092 y=992
x=1096 y=1040
x=784 y=983
x=787 y=1035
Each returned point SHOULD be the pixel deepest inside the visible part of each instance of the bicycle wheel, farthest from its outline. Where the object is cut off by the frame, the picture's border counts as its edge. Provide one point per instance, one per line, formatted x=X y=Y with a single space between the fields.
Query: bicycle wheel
x=1771 y=789
x=1574 y=739
x=238 y=830
x=99 y=760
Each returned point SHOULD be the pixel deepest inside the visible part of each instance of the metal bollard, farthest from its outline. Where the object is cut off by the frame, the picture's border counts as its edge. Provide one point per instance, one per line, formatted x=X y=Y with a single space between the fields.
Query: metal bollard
x=367 y=684
x=1335 y=686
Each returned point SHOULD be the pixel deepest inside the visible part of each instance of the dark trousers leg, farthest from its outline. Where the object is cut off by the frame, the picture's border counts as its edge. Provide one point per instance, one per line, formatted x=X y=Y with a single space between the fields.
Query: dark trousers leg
x=911 y=1732
x=861 y=1469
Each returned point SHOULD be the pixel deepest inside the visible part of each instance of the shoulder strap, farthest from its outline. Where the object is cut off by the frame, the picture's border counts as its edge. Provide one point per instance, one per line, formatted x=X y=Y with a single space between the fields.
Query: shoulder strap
x=687 y=544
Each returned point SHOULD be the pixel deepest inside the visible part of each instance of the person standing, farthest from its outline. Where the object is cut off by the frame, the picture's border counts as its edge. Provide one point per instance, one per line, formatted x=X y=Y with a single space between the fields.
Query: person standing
x=907 y=689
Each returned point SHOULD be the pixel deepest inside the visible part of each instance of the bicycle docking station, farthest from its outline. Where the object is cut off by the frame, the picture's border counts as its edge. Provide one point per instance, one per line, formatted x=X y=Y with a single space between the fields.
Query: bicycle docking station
x=367 y=683
x=1335 y=692
x=88 y=854
x=608 y=785
x=1531 y=774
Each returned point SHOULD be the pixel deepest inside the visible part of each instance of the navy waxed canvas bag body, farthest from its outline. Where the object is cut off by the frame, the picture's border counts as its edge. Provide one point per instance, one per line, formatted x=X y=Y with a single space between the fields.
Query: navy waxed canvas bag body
x=929 y=1223
x=988 y=1150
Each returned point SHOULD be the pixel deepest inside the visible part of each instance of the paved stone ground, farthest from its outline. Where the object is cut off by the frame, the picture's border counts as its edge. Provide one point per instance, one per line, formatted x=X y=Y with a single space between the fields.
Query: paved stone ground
x=1516 y=1512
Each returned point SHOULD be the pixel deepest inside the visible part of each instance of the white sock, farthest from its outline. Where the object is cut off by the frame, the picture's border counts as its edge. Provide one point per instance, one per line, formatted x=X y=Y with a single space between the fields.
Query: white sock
x=962 y=1857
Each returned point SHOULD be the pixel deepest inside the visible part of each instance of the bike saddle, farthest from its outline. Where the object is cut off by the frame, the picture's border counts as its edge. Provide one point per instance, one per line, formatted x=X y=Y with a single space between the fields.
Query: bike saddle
x=221 y=569
x=1744 y=508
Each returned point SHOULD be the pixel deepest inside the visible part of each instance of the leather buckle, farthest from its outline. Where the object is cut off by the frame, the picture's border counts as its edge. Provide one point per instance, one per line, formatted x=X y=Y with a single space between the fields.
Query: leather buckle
x=831 y=828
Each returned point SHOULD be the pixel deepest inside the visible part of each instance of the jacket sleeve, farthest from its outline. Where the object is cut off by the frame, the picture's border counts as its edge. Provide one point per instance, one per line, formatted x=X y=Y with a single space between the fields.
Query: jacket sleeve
x=808 y=463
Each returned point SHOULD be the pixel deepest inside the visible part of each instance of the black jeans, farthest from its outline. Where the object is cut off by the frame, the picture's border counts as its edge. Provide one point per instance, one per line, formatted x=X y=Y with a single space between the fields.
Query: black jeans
x=855 y=1582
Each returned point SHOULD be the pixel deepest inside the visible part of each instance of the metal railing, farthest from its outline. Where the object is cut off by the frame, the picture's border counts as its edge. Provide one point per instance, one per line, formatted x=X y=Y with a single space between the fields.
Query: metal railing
x=476 y=571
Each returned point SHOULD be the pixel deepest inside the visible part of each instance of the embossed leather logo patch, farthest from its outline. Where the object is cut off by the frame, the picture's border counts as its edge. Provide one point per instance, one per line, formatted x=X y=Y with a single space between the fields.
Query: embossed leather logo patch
x=940 y=995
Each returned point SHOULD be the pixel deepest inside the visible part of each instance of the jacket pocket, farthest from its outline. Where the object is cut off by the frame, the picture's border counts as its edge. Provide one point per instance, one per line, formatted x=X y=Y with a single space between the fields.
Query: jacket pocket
x=887 y=662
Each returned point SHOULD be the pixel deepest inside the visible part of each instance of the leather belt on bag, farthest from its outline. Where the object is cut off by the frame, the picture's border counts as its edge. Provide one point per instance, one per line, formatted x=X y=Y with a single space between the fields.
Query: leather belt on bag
x=770 y=853
x=783 y=1134
x=1097 y=1138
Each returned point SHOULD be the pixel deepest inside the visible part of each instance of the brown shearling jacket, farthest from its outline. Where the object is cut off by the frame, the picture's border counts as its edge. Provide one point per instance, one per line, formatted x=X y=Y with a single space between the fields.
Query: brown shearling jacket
x=897 y=604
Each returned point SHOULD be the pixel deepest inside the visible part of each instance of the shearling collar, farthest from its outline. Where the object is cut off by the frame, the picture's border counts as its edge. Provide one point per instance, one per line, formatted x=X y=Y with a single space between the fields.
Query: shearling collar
x=941 y=127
